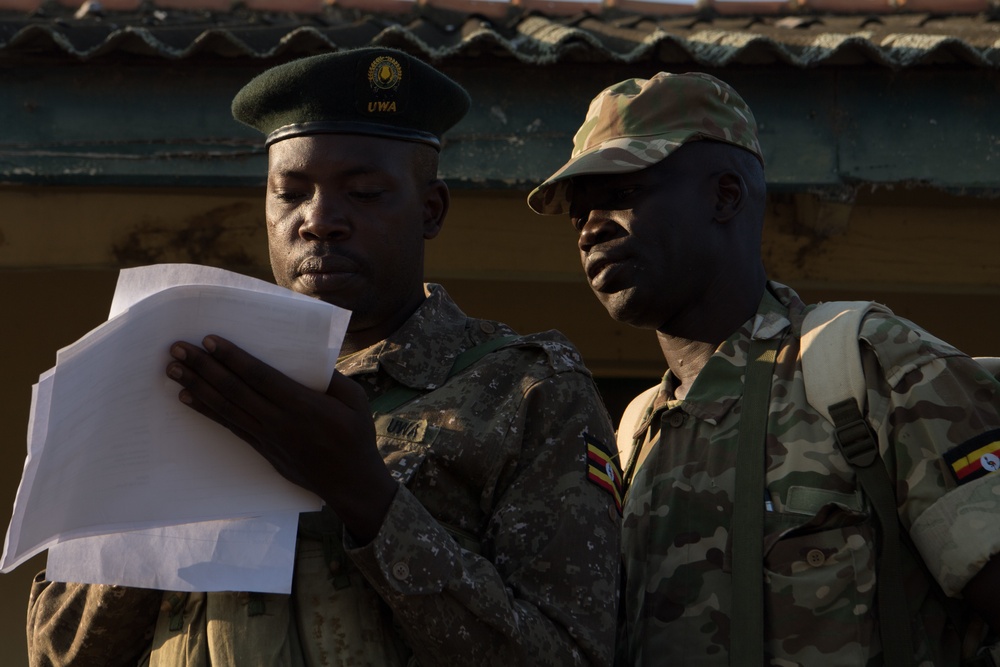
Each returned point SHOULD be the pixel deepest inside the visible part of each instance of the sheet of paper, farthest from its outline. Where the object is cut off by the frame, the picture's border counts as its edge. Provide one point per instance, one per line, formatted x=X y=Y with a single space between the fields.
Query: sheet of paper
x=254 y=554
x=231 y=555
x=137 y=283
x=205 y=556
x=117 y=452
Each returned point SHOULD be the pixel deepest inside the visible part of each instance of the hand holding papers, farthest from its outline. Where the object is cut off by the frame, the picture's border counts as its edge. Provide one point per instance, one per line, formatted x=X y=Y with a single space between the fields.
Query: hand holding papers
x=111 y=449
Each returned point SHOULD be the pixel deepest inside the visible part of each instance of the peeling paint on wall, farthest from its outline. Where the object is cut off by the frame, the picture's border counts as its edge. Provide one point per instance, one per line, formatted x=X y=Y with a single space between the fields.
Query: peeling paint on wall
x=218 y=237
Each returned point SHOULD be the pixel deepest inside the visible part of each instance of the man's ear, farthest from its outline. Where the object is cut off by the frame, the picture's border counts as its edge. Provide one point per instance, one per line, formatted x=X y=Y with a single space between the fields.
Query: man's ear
x=437 y=199
x=731 y=196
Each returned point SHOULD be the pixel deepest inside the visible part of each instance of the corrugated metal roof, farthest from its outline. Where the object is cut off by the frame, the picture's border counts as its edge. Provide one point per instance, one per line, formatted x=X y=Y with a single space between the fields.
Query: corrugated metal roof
x=558 y=6
x=800 y=39
x=501 y=7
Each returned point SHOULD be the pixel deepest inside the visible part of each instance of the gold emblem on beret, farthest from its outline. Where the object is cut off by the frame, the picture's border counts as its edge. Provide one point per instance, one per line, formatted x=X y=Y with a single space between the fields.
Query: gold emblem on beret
x=385 y=73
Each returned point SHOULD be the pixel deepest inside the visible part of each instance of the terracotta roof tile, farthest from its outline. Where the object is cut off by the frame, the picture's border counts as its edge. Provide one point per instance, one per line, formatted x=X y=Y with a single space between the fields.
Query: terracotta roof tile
x=659 y=7
x=295 y=6
x=752 y=6
x=848 y=6
x=487 y=8
x=950 y=7
x=563 y=7
x=20 y=5
x=379 y=6
x=118 y=5
x=206 y=5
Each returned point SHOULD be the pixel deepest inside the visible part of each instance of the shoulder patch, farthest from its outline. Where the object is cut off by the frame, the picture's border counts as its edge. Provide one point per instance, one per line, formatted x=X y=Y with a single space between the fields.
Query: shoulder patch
x=602 y=469
x=974 y=458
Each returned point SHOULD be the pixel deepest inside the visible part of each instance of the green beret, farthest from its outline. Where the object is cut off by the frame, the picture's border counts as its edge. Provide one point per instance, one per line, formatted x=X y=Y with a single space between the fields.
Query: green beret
x=371 y=91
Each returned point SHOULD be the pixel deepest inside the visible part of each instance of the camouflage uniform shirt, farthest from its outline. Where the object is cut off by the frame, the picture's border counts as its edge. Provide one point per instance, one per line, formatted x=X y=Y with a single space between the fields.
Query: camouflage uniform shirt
x=924 y=399
x=496 y=550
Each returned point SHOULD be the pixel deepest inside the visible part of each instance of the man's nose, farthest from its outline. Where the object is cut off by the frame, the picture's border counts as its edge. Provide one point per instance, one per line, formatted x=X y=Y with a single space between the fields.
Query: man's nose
x=595 y=226
x=325 y=220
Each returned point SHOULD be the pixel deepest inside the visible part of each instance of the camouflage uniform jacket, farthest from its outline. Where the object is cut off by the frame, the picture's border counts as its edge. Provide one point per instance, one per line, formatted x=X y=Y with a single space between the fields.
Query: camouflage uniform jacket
x=924 y=399
x=496 y=549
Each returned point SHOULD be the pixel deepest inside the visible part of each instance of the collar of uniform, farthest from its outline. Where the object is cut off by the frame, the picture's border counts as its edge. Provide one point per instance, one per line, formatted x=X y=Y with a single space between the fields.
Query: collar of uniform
x=719 y=385
x=421 y=352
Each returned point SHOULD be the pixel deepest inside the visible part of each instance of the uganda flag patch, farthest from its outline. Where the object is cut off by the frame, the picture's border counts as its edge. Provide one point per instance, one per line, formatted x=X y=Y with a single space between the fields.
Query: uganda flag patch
x=976 y=458
x=602 y=469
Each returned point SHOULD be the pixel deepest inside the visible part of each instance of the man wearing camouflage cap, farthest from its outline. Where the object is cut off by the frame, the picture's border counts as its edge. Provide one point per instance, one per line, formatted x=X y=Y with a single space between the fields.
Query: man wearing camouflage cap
x=666 y=190
x=468 y=517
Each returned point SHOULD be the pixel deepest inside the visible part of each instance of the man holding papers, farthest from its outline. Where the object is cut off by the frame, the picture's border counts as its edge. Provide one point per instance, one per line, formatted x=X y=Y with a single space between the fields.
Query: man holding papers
x=471 y=508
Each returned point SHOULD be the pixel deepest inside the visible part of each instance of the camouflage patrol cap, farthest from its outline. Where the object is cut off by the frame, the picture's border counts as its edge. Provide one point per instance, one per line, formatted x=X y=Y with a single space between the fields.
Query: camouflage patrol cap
x=638 y=122
x=371 y=91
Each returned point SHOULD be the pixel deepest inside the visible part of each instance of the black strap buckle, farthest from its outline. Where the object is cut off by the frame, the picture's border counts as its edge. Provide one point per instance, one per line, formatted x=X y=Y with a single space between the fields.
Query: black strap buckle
x=853 y=434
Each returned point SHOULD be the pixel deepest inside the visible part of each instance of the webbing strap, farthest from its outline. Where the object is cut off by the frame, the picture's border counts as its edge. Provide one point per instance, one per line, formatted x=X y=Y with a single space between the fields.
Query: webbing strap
x=746 y=647
x=400 y=394
x=859 y=448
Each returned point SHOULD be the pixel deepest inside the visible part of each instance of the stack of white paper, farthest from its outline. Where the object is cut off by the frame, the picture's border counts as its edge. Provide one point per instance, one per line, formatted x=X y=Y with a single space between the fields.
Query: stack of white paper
x=126 y=485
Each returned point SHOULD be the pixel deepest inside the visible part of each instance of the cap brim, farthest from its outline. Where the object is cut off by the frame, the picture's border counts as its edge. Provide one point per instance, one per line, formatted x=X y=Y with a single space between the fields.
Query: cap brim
x=616 y=156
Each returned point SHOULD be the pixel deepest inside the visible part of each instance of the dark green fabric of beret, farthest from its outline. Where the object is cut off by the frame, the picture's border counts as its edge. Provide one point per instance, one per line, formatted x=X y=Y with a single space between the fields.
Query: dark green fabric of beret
x=371 y=91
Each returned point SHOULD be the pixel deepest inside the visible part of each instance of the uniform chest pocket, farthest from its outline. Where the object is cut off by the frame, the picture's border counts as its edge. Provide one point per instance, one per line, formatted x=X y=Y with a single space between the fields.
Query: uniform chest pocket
x=820 y=588
x=452 y=471
x=404 y=444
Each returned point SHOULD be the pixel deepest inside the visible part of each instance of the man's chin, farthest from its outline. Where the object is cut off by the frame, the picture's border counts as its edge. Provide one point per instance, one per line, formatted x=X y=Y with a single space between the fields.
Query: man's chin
x=624 y=308
x=340 y=295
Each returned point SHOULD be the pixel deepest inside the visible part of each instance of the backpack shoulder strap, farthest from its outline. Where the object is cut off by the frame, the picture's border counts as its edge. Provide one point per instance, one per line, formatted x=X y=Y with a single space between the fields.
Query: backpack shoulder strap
x=831 y=354
x=835 y=385
x=991 y=364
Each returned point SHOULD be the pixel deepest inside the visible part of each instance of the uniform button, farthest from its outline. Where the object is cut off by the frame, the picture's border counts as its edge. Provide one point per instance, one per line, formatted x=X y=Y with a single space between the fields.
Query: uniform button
x=815 y=558
x=487 y=327
x=401 y=571
x=613 y=512
x=677 y=419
